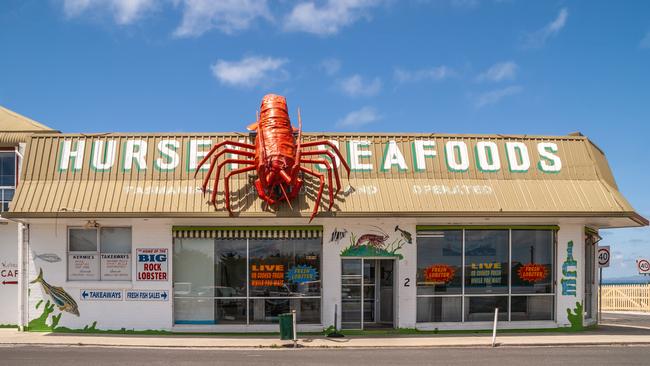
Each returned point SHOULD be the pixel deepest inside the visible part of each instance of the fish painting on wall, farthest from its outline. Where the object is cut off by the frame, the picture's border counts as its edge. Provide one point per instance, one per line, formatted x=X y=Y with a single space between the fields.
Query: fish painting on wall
x=47 y=257
x=59 y=296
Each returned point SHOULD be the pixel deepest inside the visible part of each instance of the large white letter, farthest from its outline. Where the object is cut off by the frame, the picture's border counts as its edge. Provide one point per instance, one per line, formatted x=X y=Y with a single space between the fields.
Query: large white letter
x=392 y=156
x=487 y=154
x=103 y=155
x=196 y=155
x=356 y=154
x=518 y=158
x=168 y=149
x=135 y=150
x=67 y=153
x=420 y=153
x=549 y=162
x=456 y=162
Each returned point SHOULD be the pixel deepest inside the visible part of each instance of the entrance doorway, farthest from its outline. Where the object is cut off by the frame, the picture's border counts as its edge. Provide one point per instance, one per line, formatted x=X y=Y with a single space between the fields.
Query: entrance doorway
x=367 y=293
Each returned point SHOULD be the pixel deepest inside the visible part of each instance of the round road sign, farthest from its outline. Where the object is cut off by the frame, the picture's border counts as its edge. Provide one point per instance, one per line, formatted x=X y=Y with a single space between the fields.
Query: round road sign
x=643 y=265
x=603 y=256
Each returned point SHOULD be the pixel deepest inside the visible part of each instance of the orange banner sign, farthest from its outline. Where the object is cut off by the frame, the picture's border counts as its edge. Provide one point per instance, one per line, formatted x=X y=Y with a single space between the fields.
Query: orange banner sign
x=532 y=272
x=439 y=273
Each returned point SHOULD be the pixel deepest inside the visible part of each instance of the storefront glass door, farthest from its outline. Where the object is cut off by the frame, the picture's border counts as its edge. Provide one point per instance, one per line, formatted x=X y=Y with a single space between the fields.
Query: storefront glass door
x=367 y=293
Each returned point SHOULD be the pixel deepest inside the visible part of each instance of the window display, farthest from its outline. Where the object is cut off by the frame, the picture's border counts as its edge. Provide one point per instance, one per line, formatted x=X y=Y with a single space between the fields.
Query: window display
x=498 y=264
x=246 y=281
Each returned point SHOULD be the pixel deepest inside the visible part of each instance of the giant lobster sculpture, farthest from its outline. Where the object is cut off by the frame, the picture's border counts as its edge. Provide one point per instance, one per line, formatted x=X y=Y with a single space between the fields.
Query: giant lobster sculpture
x=278 y=157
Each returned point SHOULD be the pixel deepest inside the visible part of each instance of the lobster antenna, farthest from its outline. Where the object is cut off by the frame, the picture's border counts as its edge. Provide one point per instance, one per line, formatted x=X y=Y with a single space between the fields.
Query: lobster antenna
x=380 y=229
x=299 y=140
x=285 y=196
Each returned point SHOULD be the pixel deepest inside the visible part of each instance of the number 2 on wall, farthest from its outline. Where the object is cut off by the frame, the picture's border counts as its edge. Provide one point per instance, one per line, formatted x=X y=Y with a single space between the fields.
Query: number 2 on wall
x=407 y=282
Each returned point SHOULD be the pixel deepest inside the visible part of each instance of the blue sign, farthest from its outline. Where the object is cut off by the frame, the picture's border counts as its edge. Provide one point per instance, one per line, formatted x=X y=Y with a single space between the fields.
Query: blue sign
x=302 y=274
x=147 y=295
x=101 y=295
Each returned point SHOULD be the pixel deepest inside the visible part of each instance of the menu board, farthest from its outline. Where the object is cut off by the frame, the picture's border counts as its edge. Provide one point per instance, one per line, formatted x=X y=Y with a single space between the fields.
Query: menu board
x=116 y=267
x=83 y=267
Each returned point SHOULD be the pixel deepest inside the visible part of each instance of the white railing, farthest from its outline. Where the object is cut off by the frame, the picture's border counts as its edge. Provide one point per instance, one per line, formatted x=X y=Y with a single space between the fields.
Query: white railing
x=626 y=297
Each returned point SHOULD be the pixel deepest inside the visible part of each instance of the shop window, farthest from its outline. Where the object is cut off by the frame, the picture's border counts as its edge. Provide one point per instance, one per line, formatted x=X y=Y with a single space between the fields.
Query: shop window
x=7 y=178
x=486 y=261
x=96 y=254
x=440 y=263
x=509 y=269
x=246 y=281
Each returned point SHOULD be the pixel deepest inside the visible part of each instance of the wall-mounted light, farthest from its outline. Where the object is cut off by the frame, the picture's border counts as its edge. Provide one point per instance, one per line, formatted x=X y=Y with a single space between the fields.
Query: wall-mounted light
x=91 y=224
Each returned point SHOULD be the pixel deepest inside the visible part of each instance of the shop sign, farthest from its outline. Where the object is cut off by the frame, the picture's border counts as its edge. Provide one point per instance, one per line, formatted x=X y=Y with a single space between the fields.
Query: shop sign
x=8 y=273
x=101 y=295
x=439 y=273
x=116 y=267
x=83 y=267
x=532 y=272
x=147 y=295
x=302 y=274
x=488 y=273
x=152 y=264
x=267 y=274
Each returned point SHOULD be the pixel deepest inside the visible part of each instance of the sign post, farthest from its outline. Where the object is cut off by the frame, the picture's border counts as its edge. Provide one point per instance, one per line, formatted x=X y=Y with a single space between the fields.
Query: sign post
x=643 y=265
x=603 y=261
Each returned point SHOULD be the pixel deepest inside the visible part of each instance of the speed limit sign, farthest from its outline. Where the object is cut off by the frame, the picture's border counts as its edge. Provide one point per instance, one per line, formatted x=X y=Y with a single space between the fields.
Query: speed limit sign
x=603 y=256
x=643 y=265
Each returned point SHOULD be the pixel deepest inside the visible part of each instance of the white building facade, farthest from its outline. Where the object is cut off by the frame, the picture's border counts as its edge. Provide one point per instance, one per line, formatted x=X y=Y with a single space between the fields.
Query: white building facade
x=428 y=232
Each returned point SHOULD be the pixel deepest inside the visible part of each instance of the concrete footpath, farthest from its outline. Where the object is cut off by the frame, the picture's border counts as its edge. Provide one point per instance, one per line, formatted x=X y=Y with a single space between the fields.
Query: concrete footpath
x=604 y=335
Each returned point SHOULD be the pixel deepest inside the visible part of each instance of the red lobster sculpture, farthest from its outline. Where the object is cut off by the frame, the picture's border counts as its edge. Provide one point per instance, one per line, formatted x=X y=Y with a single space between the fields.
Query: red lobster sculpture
x=277 y=156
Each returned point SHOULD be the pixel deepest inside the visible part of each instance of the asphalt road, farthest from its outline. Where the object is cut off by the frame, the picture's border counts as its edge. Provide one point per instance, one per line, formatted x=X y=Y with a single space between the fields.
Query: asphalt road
x=72 y=356
x=636 y=320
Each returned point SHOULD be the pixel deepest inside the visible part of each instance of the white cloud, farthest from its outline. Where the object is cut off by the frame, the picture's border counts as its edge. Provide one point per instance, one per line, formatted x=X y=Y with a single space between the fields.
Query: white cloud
x=123 y=11
x=499 y=72
x=327 y=18
x=358 y=118
x=331 y=66
x=494 y=96
x=250 y=71
x=356 y=86
x=229 y=16
x=645 y=41
x=538 y=39
x=434 y=73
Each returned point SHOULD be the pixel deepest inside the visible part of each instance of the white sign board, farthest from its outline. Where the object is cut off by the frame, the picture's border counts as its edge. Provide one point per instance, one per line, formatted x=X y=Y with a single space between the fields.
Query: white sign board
x=603 y=256
x=152 y=264
x=83 y=267
x=116 y=267
x=643 y=265
x=101 y=295
x=147 y=295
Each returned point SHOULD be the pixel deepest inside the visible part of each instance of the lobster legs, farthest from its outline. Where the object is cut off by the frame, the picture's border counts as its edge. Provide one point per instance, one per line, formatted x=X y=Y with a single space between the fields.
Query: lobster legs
x=323 y=154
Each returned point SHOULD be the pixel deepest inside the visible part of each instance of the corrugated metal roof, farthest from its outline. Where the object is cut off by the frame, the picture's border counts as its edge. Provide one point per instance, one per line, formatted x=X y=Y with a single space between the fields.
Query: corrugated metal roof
x=11 y=121
x=584 y=186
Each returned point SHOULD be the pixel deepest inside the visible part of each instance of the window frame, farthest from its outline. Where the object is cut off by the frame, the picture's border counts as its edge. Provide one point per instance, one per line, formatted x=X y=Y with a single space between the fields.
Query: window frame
x=248 y=298
x=424 y=231
x=14 y=152
x=98 y=253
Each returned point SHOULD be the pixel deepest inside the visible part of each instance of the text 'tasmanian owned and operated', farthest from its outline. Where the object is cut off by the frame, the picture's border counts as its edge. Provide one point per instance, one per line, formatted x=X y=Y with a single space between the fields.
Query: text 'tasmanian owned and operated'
x=152 y=264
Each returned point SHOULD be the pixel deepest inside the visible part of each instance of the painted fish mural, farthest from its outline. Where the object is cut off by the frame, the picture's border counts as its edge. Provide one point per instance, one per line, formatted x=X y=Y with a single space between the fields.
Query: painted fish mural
x=58 y=295
x=337 y=235
x=47 y=257
x=405 y=234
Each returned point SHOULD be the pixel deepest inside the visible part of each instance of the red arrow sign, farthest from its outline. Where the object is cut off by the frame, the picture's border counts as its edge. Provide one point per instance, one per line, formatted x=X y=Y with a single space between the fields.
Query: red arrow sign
x=9 y=282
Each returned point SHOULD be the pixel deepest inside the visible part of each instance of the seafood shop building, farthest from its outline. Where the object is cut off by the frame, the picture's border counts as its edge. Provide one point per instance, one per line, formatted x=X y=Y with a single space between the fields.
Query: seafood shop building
x=429 y=231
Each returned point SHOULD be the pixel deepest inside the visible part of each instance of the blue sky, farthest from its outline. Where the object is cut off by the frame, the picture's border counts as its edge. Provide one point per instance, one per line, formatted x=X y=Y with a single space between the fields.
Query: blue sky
x=459 y=66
